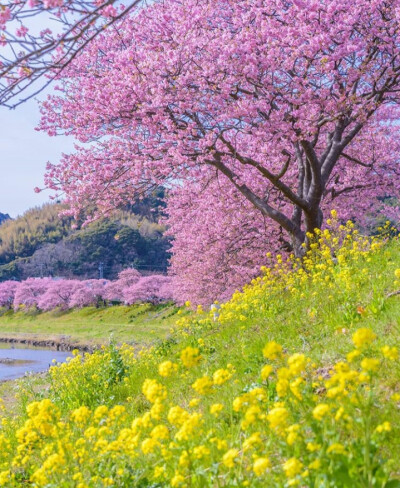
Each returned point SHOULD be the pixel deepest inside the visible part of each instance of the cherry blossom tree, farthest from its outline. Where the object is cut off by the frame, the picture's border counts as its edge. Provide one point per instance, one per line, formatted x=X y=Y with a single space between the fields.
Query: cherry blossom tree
x=7 y=293
x=219 y=242
x=29 y=292
x=259 y=113
x=114 y=290
x=89 y=293
x=58 y=295
x=153 y=289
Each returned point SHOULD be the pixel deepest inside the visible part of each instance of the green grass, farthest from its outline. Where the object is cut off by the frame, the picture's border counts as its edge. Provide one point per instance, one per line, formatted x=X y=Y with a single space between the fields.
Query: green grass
x=134 y=324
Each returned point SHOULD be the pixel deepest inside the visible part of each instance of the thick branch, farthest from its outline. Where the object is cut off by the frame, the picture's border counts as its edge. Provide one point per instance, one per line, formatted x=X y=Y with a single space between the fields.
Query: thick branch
x=356 y=160
x=265 y=209
x=316 y=187
x=275 y=180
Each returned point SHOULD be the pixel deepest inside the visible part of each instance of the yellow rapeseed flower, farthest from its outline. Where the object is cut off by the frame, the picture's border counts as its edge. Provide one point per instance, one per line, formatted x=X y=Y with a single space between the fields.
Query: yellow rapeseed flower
x=81 y=415
x=352 y=355
x=277 y=418
x=221 y=376
x=228 y=459
x=385 y=427
x=216 y=409
x=221 y=444
x=336 y=448
x=149 y=445
x=178 y=479
x=320 y=411
x=297 y=363
x=315 y=464
x=190 y=427
x=292 y=467
x=153 y=390
x=190 y=356
x=253 y=441
x=253 y=413
x=266 y=372
x=293 y=434
x=370 y=364
x=201 y=452
x=391 y=353
x=272 y=350
x=203 y=385
x=167 y=368
x=260 y=465
x=363 y=337
x=177 y=415
x=159 y=471
x=313 y=446
x=160 y=432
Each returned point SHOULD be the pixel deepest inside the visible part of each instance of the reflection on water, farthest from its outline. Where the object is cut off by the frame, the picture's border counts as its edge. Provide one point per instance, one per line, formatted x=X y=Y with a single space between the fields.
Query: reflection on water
x=16 y=362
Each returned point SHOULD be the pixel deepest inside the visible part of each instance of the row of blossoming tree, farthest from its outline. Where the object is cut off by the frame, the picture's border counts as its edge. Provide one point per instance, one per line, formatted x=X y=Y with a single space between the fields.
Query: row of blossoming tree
x=49 y=294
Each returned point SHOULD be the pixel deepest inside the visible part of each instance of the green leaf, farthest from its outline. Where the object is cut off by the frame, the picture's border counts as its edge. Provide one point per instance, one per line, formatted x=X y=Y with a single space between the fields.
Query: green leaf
x=393 y=484
x=342 y=475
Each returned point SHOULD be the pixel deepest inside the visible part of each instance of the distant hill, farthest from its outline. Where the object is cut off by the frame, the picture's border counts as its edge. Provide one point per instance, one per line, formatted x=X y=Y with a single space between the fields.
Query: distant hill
x=4 y=217
x=41 y=243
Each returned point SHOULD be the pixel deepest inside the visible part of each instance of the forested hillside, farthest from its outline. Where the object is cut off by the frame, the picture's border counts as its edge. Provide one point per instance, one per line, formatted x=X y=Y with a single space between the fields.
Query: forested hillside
x=3 y=217
x=41 y=243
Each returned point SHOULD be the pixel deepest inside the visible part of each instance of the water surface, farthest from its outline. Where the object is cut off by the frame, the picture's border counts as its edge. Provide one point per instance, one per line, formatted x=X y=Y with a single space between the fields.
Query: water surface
x=15 y=362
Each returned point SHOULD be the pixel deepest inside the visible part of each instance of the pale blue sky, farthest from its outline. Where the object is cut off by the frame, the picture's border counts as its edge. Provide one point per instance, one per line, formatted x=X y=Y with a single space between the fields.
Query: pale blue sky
x=24 y=151
x=23 y=156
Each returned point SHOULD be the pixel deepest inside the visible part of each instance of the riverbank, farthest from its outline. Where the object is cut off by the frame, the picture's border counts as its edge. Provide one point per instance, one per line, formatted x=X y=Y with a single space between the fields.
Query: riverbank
x=83 y=329
x=39 y=341
x=89 y=328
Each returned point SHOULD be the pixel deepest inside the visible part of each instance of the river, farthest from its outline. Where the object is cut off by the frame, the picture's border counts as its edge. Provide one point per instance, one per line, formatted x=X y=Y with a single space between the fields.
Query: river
x=15 y=362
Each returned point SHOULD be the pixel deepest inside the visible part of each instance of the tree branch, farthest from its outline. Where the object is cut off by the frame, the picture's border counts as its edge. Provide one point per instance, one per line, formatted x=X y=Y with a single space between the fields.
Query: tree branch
x=274 y=179
x=265 y=209
x=356 y=160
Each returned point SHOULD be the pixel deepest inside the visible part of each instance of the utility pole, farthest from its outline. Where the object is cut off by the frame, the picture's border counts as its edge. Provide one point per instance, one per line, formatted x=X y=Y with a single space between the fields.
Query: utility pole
x=101 y=271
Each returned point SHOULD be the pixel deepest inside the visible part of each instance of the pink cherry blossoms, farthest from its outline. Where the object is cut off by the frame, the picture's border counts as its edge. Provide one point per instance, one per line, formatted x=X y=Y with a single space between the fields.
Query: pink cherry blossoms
x=7 y=293
x=29 y=292
x=153 y=289
x=114 y=290
x=47 y=294
x=258 y=116
x=90 y=293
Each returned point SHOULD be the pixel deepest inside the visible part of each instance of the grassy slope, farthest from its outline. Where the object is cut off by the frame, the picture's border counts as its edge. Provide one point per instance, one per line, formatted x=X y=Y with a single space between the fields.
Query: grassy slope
x=135 y=324
x=320 y=324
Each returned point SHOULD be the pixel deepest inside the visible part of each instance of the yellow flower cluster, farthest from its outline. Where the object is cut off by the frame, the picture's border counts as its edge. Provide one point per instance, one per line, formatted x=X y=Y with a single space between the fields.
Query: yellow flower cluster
x=190 y=356
x=363 y=337
x=154 y=391
x=167 y=368
x=184 y=441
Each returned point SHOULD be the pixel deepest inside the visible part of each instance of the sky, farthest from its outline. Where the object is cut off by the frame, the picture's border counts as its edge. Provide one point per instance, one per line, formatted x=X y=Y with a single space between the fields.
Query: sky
x=25 y=151
x=23 y=156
